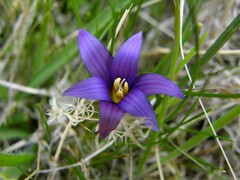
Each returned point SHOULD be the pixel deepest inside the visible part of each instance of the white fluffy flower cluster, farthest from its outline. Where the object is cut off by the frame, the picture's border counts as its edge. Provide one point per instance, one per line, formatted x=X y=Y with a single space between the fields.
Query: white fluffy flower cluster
x=76 y=112
x=131 y=128
x=67 y=109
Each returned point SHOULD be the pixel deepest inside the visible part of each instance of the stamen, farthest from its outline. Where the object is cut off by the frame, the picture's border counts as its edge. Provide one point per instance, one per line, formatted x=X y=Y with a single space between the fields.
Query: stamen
x=125 y=88
x=119 y=94
x=120 y=89
x=116 y=84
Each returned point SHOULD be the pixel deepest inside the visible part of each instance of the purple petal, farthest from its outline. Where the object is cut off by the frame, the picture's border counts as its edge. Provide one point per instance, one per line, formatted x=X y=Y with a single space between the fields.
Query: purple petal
x=125 y=63
x=95 y=56
x=95 y=88
x=157 y=84
x=137 y=104
x=110 y=116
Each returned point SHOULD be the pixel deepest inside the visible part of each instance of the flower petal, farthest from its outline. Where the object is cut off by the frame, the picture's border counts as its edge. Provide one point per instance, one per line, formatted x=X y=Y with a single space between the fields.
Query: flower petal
x=157 y=84
x=110 y=116
x=137 y=104
x=125 y=63
x=95 y=56
x=95 y=88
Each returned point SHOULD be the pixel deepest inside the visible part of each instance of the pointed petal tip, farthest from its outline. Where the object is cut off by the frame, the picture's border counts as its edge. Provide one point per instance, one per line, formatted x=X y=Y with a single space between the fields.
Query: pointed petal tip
x=137 y=104
x=125 y=64
x=83 y=33
x=152 y=123
x=178 y=93
x=138 y=33
x=155 y=128
x=110 y=116
x=151 y=84
x=80 y=31
x=94 y=88
x=65 y=93
x=181 y=95
x=95 y=55
x=68 y=92
x=137 y=36
x=103 y=135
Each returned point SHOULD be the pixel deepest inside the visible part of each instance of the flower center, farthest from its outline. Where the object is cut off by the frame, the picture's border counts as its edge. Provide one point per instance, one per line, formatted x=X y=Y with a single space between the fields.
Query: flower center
x=120 y=90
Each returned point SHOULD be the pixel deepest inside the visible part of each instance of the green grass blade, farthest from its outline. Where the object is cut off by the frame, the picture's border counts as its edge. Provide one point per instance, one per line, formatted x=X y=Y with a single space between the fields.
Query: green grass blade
x=66 y=54
x=218 y=124
x=194 y=141
x=15 y=159
x=75 y=6
x=222 y=39
x=190 y=54
x=8 y=173
x=10 y=133
x=39 y=59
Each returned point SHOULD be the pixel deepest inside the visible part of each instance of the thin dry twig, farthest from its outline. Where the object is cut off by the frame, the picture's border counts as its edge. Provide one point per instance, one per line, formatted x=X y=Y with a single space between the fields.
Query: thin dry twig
x=26 y=89
x=160 y=171
x=80 y=163
x=156 y=51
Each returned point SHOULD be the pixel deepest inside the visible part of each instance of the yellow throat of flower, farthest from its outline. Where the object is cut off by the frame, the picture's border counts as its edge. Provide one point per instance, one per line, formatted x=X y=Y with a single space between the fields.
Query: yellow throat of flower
x=120 y=90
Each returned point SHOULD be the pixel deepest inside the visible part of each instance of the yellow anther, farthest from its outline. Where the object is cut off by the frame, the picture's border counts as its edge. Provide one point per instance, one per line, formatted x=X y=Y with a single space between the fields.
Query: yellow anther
x=119 y=95
x=120 y=89
x=125 y=88
x=116 y=84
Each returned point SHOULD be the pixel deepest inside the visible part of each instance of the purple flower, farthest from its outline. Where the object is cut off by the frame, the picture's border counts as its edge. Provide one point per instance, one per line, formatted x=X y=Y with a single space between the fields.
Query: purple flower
x=114 y=82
